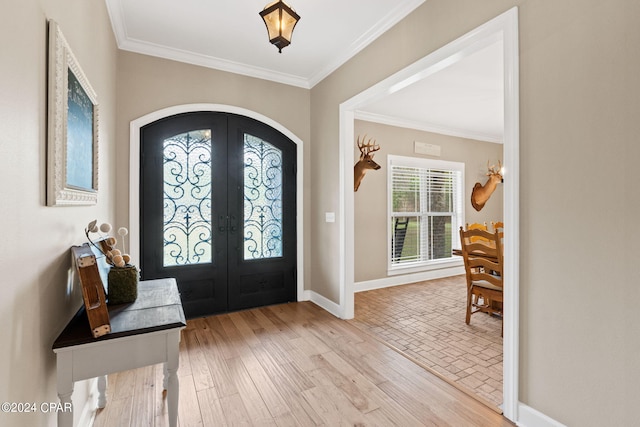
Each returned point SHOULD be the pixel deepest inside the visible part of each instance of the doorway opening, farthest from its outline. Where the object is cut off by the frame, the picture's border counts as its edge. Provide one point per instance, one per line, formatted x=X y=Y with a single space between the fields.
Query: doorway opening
x=504 y=29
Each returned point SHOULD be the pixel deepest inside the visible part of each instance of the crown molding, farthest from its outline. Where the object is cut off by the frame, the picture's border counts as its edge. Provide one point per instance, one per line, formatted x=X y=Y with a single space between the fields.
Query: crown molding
x=193 y=58
x=395 y=15
x=426 y=127
x=124 y=42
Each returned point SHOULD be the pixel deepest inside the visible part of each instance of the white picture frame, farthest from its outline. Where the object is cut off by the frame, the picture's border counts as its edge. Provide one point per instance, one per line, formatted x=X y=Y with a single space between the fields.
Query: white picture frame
x=72 y=138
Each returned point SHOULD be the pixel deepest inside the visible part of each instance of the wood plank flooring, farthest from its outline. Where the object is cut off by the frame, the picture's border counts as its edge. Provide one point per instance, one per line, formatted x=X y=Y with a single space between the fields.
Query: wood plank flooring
x=290 y=365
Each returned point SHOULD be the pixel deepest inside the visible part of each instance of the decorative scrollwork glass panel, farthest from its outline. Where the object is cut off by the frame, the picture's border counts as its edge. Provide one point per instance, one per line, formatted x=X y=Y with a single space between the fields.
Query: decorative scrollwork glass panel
x=262 y=199
x=187 y=199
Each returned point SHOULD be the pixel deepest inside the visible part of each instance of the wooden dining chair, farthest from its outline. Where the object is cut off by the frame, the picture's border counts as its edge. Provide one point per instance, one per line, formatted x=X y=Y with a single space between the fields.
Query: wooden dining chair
x=477 y=226
x=483 y=264
x=499 y=227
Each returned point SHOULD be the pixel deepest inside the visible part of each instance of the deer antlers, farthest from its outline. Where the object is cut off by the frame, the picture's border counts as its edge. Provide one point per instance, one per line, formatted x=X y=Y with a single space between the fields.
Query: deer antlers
x=368 y=148
x=492 y=169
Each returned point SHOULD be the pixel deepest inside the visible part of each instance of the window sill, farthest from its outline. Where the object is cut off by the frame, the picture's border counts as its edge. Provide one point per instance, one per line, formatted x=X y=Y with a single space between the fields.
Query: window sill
x=419 y=267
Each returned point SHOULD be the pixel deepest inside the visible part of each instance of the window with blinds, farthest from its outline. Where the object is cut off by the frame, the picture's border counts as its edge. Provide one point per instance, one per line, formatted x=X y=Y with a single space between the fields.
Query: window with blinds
x=426 y=210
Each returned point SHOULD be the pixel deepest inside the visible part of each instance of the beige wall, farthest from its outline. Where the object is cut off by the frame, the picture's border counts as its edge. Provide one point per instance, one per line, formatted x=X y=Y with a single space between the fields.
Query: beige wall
x=370 y=210
x=35 y=258
x=579 y=204
x=147 y=84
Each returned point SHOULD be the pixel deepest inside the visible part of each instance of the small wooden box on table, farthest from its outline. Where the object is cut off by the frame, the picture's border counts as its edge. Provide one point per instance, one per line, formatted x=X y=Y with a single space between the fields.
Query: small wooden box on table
x=143 y=333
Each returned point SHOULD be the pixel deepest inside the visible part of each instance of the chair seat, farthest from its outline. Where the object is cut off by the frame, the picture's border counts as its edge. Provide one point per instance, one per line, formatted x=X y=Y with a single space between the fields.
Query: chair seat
x=486 y=285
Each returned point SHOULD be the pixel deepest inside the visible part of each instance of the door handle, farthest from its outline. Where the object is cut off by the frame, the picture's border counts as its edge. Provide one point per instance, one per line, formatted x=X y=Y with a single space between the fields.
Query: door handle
x=222 y=223
x=232 y=224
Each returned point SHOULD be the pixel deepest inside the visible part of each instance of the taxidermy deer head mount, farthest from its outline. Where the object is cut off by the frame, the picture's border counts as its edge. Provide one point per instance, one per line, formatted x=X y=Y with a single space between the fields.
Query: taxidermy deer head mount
x=480 y=194
x=366 y=161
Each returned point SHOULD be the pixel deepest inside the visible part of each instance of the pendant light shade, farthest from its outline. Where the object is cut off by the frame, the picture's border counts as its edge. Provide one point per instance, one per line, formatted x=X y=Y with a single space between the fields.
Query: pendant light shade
x=280 y=20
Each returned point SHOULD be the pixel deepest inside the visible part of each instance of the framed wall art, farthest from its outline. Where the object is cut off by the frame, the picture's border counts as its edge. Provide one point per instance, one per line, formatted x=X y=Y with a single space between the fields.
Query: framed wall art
x=72 y=152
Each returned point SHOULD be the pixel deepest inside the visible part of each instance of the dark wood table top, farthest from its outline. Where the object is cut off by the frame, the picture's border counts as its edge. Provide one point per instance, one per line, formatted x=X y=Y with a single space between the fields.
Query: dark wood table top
x=158 y=307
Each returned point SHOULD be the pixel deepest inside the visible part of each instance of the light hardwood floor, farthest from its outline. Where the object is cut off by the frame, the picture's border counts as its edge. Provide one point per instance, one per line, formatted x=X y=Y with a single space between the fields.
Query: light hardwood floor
x=290 y=365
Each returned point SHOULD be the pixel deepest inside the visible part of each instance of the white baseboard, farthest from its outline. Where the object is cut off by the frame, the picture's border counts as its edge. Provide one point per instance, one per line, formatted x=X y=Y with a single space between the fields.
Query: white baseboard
x=325 y=303
x=529 y=417
x=404 y=279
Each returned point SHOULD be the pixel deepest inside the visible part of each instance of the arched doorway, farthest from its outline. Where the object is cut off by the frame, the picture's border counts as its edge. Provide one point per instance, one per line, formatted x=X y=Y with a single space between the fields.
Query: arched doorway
x=257 y=120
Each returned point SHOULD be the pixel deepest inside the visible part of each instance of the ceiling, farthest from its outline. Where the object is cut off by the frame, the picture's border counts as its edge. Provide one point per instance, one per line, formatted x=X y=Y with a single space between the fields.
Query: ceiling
x=465 y=99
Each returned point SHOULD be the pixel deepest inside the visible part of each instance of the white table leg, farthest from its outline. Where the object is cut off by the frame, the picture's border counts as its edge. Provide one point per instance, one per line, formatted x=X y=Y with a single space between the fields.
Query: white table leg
x=65 y=388
x=165 y=378
x=171 y=377
x=102 y=391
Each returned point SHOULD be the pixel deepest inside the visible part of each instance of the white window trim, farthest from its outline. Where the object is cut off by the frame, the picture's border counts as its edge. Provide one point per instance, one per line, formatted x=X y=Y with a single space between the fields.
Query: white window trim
x=418 y=162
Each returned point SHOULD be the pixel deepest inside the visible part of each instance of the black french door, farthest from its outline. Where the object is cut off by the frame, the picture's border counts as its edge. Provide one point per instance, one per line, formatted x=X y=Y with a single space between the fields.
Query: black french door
x=218 y=211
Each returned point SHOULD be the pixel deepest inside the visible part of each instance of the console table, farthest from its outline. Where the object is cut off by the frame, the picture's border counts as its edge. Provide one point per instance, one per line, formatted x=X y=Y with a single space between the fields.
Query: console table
x=145 y=332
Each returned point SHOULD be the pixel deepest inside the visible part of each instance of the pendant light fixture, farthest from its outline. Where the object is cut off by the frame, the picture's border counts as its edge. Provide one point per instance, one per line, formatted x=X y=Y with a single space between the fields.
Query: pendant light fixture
x=280 y=20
